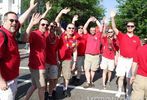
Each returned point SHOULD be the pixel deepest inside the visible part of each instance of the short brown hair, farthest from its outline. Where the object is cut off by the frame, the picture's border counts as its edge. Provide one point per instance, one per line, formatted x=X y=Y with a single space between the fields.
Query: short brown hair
x=43 y=19
x=10 y=12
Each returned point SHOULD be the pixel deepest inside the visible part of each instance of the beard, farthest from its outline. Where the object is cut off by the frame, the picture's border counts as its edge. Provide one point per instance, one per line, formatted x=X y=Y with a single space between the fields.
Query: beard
x=12 y=29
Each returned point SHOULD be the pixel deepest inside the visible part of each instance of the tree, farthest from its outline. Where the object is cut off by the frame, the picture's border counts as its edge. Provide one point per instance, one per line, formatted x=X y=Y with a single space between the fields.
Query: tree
x=84 y=8
x=134 y=10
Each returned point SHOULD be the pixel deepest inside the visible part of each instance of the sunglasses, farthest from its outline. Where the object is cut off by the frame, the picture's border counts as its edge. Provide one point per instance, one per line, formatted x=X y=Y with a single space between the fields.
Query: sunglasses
x=132 y=26
x=71 y=28
x=45 y=25
x=80 y=27
x=110 y=31
x=52 y=26
x=12 y=20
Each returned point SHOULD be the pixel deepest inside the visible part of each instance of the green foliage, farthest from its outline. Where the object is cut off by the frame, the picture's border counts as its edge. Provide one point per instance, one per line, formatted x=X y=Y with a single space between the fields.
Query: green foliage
x=134 y=10
x=84 y=8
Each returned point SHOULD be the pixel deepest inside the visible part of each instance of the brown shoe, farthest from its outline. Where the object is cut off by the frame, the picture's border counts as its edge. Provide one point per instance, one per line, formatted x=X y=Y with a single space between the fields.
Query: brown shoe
x=88 y=85
x=92 y=84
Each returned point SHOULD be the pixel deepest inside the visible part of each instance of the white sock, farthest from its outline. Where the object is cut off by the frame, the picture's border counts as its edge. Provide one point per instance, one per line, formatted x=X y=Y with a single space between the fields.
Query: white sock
x=119 y=90
x=64 y=88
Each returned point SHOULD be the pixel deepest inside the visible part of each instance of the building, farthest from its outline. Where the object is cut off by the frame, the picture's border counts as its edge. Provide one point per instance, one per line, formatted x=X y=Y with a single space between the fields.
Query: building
x=9 y=5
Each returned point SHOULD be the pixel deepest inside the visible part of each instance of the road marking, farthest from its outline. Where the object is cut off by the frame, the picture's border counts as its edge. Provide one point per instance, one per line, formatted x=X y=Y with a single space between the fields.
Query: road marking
x=92 y=89
x=74 y=87
x=24 y=82
x=27 y=68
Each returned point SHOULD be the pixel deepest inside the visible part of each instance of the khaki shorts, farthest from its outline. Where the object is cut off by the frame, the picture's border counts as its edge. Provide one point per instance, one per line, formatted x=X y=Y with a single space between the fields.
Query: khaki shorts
x=80 y=63
x=139 y=88
x=38 y=77
x=51 y=71
x=107 y=64
x=124 y=66
x=66 y=69
x=91 y=62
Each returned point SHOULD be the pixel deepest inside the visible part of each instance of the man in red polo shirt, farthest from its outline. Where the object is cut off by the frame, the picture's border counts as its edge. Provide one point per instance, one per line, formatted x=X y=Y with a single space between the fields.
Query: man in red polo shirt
x=67 y=48
x=52 y=43
x=92 y=51
x=139 y=74
x=128 y=43
x=82 y=38
x=9 y=55
x=37 y=57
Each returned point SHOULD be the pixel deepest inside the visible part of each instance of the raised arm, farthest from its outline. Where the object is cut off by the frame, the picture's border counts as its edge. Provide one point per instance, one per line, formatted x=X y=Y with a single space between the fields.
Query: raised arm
x=34 y=20
x=63 y=11
x=87 y=23
x=25 y=15
x=104 y=26
x=48 y=7
x=74 y=19
x=112 y=15
x=57 y=19
x=98 y=24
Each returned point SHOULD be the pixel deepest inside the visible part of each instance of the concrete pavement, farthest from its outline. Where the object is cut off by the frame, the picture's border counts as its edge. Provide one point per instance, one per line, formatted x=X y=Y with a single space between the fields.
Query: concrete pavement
x=77 y=92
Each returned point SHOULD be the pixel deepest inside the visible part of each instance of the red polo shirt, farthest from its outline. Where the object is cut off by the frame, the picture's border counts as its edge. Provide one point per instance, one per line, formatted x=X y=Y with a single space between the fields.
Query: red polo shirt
x=51 y=49
x=128 y=45
x=141 y=58
x=93 y=43
x=9 y=56
x=108 y=50
x=82 y=39
x=66 y=51
x=37 y=55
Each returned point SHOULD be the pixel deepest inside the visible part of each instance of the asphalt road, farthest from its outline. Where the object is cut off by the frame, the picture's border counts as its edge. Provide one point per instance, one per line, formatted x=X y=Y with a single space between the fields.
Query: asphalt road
x=77 y=92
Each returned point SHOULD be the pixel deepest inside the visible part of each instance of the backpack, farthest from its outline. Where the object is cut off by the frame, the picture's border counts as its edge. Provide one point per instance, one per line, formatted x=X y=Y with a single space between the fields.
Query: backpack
x=5 y=36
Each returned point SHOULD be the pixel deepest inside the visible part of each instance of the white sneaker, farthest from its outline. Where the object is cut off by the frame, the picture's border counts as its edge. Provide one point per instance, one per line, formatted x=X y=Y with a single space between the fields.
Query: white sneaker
x=118 y=94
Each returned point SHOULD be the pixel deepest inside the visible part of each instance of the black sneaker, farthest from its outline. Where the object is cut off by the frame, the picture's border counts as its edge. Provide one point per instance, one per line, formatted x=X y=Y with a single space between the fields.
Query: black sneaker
x=73 y=80
x=54 y=95
x=66 y=93
x=46 y=95
x=88 y=85
x=78 y=80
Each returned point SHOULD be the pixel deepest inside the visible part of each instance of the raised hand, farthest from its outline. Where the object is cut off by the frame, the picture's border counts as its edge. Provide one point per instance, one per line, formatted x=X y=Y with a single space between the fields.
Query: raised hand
x=65 y=10
x=112 y=14
x=75 y=18
x=48 y=5
x=33 y=4
x=92 y=19
x=35 y=18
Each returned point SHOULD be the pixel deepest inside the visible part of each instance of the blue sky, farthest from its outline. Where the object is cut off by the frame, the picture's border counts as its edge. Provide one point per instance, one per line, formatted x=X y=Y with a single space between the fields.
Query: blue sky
x=109 y=5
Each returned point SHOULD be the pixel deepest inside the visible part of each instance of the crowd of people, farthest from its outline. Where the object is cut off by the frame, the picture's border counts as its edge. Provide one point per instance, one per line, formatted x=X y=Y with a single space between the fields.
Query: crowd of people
x=55 y=50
